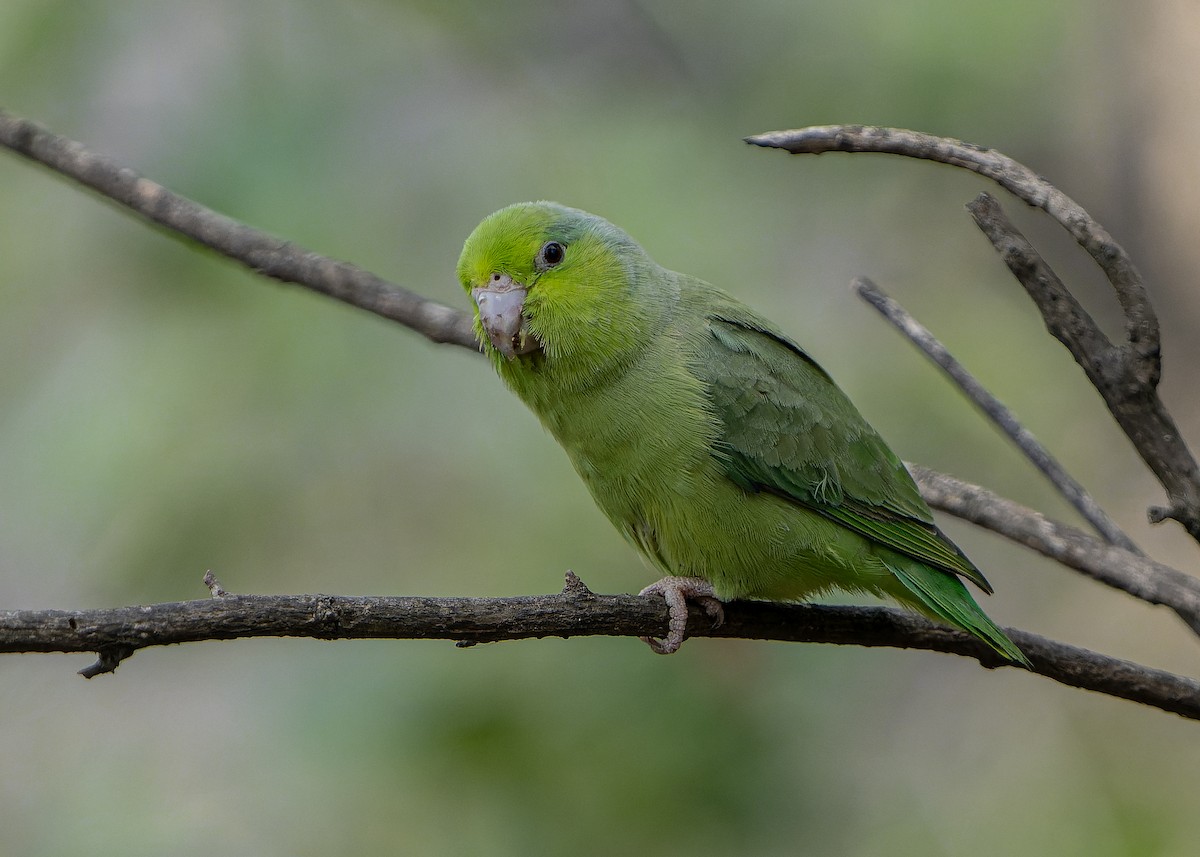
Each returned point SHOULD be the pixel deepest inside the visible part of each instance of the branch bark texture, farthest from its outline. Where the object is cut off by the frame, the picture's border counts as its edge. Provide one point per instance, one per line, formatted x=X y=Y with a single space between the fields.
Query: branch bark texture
x=1130 y=397
x=262 y=253
x=1109 y=564
x=117 y=633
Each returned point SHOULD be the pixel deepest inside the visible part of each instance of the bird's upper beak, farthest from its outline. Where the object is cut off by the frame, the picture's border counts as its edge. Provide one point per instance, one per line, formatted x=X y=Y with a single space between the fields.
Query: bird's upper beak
x=501 y=304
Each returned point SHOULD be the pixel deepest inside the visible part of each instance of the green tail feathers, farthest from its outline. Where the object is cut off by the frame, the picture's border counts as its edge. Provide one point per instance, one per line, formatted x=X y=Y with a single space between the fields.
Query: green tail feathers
x=944 y=597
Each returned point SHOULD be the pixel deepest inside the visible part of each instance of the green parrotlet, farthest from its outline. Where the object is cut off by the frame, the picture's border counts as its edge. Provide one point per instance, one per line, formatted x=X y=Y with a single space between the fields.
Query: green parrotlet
x=714 y=443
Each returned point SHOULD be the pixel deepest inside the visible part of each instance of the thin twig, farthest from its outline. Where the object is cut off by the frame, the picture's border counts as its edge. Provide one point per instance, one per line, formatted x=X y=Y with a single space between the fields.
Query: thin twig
x=1137 y=575
x=214 y=586
x=262 y=253
x=995 y=410
x=574 y=612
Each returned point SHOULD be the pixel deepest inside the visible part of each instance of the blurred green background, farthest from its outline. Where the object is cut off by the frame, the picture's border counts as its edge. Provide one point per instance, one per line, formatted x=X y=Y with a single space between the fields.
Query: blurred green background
x=163 y=412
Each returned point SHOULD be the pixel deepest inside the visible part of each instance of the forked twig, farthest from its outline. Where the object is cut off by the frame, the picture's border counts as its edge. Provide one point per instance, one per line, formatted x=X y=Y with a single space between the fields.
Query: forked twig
x=1135 y=574
x=1126 y=376
x=996 y=411
x=1126 y=384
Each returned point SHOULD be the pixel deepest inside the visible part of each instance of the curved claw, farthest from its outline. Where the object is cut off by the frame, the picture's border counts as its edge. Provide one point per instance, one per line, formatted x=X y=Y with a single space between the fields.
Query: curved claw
x=676 y=591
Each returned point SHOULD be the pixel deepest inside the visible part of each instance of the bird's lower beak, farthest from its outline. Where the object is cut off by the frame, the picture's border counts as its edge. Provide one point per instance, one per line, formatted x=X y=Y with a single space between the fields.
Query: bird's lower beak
x=501 y=306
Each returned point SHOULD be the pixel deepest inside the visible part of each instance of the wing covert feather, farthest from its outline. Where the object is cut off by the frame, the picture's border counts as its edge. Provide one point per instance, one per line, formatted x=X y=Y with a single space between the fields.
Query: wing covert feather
x=790 y=430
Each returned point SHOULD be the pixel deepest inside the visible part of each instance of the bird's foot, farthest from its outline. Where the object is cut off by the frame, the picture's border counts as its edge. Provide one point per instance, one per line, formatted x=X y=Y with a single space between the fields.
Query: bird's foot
x=676 y=591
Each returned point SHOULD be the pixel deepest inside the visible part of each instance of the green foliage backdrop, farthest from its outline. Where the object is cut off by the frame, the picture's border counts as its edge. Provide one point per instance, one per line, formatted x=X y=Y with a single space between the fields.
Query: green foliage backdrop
x=163 y=412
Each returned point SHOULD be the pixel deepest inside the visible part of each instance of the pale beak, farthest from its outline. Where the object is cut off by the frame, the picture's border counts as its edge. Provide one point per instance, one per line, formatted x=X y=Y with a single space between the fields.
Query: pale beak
x=500 y=305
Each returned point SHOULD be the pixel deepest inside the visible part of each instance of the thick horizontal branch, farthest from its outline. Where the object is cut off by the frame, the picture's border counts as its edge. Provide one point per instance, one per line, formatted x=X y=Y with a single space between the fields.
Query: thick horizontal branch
x=1133 y=573
x=117 y=633
x=262 y=253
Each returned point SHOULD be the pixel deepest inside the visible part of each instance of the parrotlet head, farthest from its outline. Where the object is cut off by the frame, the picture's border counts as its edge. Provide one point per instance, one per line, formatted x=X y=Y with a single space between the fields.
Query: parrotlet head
x=556 y=284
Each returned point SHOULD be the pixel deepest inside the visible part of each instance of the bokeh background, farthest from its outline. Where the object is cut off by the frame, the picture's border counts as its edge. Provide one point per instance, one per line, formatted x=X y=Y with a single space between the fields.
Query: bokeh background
x=164 y=412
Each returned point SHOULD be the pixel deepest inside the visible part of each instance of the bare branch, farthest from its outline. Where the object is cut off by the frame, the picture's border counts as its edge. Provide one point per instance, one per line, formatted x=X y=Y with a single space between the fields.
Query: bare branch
x=117 y=633
x=1142 y=578
x=1130 y=373
x=1019 y=180
x=1065 y=317
x=258 y=251
x=995 y=410
x=1133 y=402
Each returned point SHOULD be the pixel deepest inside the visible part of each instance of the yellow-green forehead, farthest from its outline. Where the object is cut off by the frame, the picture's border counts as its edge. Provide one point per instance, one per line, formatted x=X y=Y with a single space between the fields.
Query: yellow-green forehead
x=508 y=240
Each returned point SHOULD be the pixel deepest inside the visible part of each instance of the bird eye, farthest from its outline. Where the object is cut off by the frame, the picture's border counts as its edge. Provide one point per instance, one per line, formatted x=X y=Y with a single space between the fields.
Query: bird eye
x=551 y=254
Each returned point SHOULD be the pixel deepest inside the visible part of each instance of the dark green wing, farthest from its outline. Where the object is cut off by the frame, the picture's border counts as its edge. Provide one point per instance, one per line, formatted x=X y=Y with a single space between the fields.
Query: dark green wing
x=791 y=431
